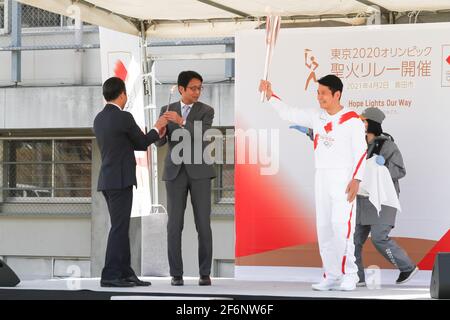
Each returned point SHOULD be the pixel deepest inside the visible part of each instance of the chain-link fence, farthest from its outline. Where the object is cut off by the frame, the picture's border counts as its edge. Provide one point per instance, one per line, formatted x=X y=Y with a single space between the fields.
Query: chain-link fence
x=4 y=38
x=45 y=176
x=44 y=30
x=223 y=190
x=223 y=184
x=33 y=17
x=2 y=14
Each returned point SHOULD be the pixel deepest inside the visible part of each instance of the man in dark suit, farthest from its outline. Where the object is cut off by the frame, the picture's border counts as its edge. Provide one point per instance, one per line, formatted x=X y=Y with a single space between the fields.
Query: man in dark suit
x=191 y=174
x=118 y=136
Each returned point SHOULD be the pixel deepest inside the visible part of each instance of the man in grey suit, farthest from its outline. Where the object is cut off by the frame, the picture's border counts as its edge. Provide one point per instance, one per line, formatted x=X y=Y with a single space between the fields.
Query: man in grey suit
x=190 y=174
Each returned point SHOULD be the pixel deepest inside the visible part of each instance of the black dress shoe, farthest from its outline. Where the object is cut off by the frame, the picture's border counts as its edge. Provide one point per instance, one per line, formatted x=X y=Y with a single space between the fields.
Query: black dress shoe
x=116 y=283
x=177 y=281
x=204 y=281
x=137 y=282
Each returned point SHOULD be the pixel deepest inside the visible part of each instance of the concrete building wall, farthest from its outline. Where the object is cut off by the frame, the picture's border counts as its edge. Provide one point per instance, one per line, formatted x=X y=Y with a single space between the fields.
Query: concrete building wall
x=168 y=70
x=53 y=67
x=49 y=107
x=43 y=247
x=76 y=107
x=58 y=67
x=45 y=236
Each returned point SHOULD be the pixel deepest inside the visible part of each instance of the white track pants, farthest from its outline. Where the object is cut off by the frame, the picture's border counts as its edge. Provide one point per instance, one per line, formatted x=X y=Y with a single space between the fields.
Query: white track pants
x=335 y=222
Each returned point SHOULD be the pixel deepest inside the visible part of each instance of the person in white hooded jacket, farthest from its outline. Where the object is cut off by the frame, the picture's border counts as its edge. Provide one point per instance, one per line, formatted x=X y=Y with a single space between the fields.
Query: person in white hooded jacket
x=340 y=155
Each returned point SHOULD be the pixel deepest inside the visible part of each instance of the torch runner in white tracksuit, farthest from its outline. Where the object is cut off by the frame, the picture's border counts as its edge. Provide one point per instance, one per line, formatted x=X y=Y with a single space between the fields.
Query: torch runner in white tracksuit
x=340 y=155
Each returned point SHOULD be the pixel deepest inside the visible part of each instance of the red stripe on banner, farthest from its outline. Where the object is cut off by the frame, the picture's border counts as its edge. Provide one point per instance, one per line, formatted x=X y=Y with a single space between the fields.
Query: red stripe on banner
x=120 y=71
x=328 y=127
x=275 y=96
x=359 y=164
x=316 y=140
x=347 y=116
x=443 y=245
x=349 y=224
x=269 y=214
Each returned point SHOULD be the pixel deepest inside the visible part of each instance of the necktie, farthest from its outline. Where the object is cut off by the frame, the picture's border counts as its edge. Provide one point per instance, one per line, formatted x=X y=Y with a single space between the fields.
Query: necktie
x=186 y=110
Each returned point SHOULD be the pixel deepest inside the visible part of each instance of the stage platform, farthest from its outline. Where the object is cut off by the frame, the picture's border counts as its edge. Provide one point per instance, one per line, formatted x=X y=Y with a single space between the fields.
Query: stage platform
x=222 y=288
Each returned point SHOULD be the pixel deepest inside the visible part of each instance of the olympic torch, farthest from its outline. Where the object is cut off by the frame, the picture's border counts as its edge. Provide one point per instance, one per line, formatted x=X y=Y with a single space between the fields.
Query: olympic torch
x=273 y=24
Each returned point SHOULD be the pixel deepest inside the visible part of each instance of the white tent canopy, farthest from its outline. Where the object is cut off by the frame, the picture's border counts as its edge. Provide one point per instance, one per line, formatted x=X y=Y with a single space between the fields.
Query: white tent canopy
x=193 y=18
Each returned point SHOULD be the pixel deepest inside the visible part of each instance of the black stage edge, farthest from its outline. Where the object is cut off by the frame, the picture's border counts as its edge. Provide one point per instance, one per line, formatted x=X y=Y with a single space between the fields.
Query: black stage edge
x=35 y=294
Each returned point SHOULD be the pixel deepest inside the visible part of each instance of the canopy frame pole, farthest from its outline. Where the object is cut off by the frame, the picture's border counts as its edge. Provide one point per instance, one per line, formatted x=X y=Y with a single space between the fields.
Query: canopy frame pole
x=16 y=41
x=149 y=110
x=149 y=82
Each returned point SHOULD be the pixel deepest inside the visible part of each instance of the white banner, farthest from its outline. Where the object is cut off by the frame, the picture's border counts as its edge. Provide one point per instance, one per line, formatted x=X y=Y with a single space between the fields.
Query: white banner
x=121 y=57
x=402 y=69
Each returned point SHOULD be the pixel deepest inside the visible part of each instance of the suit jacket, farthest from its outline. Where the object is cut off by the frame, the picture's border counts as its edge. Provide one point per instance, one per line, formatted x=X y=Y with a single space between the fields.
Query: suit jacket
x=118 y=136
x=199 y=112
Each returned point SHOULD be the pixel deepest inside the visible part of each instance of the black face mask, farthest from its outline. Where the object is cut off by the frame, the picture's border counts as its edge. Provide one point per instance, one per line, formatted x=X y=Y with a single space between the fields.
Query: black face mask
x=374 y=127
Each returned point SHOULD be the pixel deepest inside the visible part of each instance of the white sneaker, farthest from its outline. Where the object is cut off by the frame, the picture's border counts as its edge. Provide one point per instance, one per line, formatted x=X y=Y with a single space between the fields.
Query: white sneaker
x=326 y=285
x=349 y=282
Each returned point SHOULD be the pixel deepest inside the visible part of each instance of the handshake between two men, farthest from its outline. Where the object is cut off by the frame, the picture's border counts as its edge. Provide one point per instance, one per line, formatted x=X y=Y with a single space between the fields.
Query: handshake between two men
x=168 y=116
